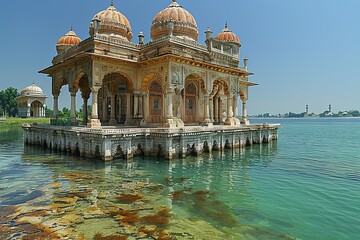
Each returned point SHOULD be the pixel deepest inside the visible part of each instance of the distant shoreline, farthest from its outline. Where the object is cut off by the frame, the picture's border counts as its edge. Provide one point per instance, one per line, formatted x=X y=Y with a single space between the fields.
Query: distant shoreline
x=302 y=117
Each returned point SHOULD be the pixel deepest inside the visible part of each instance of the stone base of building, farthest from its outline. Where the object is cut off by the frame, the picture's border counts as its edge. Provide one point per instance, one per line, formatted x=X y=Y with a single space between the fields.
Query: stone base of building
x=94 y=123
x=108 y=143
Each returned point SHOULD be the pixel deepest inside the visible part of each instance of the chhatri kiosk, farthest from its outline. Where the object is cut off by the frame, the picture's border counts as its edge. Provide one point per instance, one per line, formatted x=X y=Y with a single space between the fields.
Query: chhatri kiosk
x=168 y=97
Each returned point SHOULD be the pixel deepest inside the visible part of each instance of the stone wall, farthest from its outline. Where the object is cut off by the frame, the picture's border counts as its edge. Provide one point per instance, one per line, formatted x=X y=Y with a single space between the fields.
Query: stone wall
x=113 y=143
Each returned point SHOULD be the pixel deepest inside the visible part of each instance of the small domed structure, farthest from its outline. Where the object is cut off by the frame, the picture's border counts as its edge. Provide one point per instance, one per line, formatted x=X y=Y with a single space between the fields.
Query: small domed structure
x=114 y=23
x=184 y=23
x=67 y=41
x=227 y=35
x=31 y=102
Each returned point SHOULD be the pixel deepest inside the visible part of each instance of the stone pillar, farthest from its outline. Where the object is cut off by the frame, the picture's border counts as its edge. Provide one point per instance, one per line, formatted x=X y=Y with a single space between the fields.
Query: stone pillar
x=244 y=114
x=216 y=109
x=56 y=106
x=128 y=108
x=73 y=109
x=169 y=108
x=236 y=120
x=220 y=110
x=229 y=112
x=141 y=105
x=94 y=122
x=112 y=110
x=28 y=111
x=146 y=108
x=85 y=112
x=136 y=105
x=206 y=109
x=235 y=107
x=104 y=108
x=119 y=103
x=211 y=107
x=169 y=105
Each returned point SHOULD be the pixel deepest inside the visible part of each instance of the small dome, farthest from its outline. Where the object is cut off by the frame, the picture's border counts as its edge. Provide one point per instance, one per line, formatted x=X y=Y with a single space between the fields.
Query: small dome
x=114 y=22
x=184 y=23
x=227 y=35
x=32 y=89
x=67 y=41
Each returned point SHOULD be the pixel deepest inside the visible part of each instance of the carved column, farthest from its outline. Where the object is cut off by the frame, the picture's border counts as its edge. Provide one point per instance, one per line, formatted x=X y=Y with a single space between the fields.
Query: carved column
x=128 y=108
x=211 y=107
x=28 y=111
x=220 y=109
x=244 y=114
x=73 y=109
x=56 y=105
x=206 y=109
x=85 y=112
x=136 y=104
x=229 y=112
x=169 y=108
x=169 y=97
x=104 y=108
x=112 y=110
x=94 y=122
x=85 y=96
x=141 y=105
x=235 y=107
x=216 y=109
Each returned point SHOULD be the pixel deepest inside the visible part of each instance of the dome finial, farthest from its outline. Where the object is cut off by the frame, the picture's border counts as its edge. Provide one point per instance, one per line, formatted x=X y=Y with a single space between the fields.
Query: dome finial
x=71 y=27
x=226 y=24
x=112 y=3
x=174 y=0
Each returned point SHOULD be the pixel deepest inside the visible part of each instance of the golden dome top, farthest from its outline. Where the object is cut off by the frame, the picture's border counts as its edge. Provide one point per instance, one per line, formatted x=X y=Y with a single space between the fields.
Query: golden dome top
x=227 y=35
x=114 y=22
x=31 y=90
x=184 y=23
x=67 y=41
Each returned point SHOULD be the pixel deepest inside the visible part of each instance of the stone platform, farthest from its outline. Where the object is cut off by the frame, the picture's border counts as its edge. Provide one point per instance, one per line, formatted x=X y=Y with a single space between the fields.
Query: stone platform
x=109 y=143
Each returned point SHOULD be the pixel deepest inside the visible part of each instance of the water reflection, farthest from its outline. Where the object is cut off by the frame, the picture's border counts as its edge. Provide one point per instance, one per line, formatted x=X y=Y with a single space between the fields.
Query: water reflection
x=155 y=197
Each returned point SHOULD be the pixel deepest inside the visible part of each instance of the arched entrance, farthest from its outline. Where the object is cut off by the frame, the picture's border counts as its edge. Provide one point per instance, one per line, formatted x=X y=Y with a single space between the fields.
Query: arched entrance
x=190 y=103
x=83 y=84
x=115 y=99
x=218 y=96
x=37 y=109
x=155 y=102
x=194 y=87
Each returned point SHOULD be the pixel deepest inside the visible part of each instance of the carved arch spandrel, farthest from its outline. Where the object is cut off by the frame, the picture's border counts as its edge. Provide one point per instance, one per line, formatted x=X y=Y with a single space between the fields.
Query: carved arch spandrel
x=113 y=79
x=194 y=77
x=102 y=70
x=150 y=77
x=224 y=85
x=57 y=84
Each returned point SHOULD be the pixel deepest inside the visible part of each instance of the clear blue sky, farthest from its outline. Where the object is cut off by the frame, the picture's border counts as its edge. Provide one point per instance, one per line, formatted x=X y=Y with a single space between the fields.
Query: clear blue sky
x=302 y=52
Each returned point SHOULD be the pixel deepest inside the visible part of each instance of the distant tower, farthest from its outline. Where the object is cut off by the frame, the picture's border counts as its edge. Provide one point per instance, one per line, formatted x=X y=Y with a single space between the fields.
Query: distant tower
x=307 y=109
x=330 y=108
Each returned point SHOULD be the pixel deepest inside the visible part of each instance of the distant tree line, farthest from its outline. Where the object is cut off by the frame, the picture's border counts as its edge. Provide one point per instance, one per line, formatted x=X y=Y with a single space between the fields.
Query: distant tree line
x=8 y=102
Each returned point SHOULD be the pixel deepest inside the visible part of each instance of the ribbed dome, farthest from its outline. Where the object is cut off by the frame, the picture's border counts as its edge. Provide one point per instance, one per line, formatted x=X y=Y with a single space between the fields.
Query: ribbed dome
x=227 y=35
x=114 y=22
x=67 y=41
x=184 y=23
x=32 y=89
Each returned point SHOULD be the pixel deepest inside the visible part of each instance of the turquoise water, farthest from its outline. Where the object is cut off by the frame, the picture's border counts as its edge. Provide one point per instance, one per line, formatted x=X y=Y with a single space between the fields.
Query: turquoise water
x=306 y=186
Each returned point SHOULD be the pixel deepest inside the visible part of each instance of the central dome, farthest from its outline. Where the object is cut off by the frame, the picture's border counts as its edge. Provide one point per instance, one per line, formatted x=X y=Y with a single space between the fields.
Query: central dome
x=184 y=23
x=112 y=22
